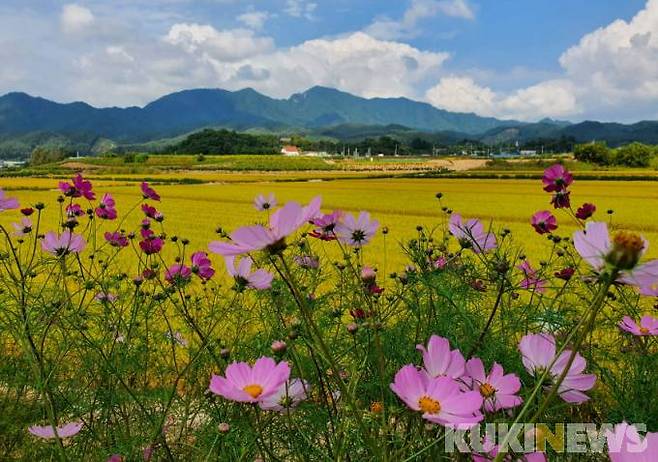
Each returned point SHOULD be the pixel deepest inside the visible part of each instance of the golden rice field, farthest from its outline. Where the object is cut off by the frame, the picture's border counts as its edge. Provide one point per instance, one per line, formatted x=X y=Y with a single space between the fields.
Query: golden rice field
x=195 y=211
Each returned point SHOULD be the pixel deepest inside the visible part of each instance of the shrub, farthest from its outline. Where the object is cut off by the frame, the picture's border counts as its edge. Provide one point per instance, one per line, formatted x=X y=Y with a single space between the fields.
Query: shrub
x=634 y=155
x=595 y=153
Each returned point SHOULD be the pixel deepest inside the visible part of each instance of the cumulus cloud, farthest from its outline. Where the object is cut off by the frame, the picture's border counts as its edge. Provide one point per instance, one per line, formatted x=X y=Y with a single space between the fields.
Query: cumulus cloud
x=75 y=18
x=419 y=10
x=553 y=98
x=224 y=45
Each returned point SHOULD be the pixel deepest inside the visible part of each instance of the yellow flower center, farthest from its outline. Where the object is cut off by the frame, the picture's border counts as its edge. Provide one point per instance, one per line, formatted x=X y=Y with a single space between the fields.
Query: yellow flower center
x=429 y=405
x=628 y=241
x=487 y=390
x=253 y=390
x=376 y=407
x=644 y=331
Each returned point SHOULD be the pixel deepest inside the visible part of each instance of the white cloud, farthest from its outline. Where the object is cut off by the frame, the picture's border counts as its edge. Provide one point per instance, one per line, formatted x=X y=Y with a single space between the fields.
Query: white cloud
x=552 y=98
x=224 y=45
x=254 y=19
x=419 y=10
x=75 y=18
x=300 y=8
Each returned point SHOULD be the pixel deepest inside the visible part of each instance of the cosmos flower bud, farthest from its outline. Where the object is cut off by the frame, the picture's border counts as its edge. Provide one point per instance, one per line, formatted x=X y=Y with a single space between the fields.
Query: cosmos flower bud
x=223 y=427
x=626 y=250
x=279 y=346
x=352 y=327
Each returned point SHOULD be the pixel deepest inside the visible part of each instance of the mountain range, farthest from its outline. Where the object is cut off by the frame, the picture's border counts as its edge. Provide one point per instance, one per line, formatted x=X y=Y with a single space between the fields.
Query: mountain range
x=26 y=121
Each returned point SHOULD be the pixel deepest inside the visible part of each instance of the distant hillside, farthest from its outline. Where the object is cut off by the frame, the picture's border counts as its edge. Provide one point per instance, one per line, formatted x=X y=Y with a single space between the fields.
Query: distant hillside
x=192 y=110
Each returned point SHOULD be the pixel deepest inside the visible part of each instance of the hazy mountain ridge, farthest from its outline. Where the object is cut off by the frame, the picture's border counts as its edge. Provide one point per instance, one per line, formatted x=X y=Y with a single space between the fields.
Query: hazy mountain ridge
x=27 y=121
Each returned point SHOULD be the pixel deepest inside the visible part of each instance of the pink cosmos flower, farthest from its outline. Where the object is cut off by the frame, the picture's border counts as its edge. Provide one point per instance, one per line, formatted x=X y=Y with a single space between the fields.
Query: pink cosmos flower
x=63 y=244
x=115 y=458
x=471 y=234
x=287 y=397
x=78 y=188
x=23 y=228
x=440 y=263
x=263 y=203
x=105 y=209
x=116 y=239
x=439 y=360
x=202 y=266
x=259 y=279
x=623 y=251
x=544 y=222
x=7 y=203
x=439 y=399
x=557 y=178
x=531 y=281
x=307 y=261
x=63 y=431
x=648 y=326
x=148 y=192
x=178 y=273
x=538 y=352
x=247 y=384
x=74 y=210
x=626 y=445
x=497 y=389
x=326 y=226
x=356 y=232
x=105 y=297
x=585 y=211
x=283 y=223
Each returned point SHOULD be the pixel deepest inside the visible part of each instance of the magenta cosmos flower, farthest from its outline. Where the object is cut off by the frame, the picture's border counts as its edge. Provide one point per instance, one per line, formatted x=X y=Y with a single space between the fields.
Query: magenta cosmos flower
x=557 y=178
x=439 y=399
x=202 y=266
x=7 y=203
x=648 y=326
x=116 y=239
x=439 y=360
x=497 y=389
x=259 y=279
x=287 y=397
x=544 y=222
x=63 y=244
x=283 y=223
x=326 y=226
x=531 y=281
x=151 y=243
x=74 y=210
x=626 y=445
x=105 y=209
x=538 y=353
x=247 y=384
x=622 y=252
x=585 y=211
x=78 y=188
x=356 y=232
x=63 y=431
x=148 y=192
x=263 y=203
x=471 y=234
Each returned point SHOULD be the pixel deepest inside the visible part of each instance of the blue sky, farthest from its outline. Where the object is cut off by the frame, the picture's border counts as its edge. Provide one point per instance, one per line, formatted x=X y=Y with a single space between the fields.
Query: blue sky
x=576 y=60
